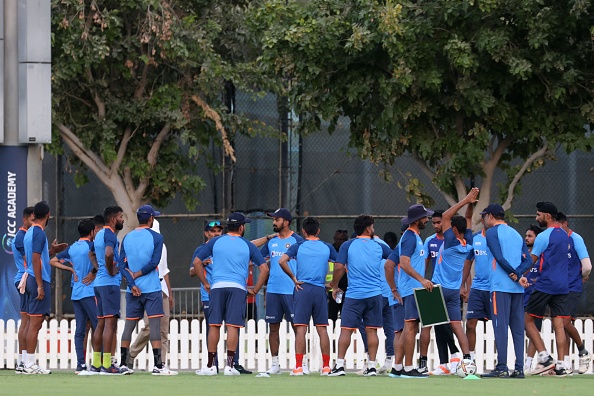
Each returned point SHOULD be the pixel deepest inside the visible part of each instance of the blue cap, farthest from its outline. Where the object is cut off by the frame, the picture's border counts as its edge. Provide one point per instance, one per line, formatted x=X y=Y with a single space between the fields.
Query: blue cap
x=238 y=218
x=494 y=209
x=281 y=212
x=146 y=211
x=212 y=224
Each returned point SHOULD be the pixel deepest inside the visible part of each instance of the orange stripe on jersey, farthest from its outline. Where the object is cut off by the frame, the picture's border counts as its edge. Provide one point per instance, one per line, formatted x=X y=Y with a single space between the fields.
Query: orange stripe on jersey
x=494 y=303
x=541 y=262
x=494 y=264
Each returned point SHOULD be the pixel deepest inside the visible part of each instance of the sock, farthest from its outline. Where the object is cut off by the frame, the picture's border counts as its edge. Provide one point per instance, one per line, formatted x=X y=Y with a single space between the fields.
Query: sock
x=230 y=356
x=113 y=360
x=96 y=359
x=581 y=348
x=157 y=358
x=528 y=362
x=124 y=356
x=298 y=360
x=567 y=361
x=211 y=357
x=325 y=360
x=275 y=361
x=472 y=355
x=340 y=363
x=20 y=359
x=304 y=364
x=559 y=364
x=106 y=359
x=408 y=368
x=30 y=360
x=423 y=362
x=388 y=362
x=398 y=367
x=542 y=356
x=370 y=364
x=467 y=356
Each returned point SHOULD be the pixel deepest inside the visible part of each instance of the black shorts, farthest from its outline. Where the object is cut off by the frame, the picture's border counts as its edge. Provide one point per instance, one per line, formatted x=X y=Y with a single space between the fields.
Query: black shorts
x=573 y=300
x=538 y=302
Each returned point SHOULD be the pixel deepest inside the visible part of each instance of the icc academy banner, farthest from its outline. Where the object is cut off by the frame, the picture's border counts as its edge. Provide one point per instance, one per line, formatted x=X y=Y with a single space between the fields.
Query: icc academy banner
x=13 y=199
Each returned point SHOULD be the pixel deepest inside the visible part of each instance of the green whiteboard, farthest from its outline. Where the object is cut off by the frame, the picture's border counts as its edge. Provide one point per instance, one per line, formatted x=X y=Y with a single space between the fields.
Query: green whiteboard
x=431 y=306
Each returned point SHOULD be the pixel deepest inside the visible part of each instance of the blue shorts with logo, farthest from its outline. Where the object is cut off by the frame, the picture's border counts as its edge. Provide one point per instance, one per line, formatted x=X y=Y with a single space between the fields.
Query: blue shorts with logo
x=368 y=310
x=310 y=302
x=410 y=308
x=451 y=297
x=108 y=301
x=23 y=299
x=479 y=305
x=227 y=304
x=152 y=303
x=398 y=317
x=37 y=307
x=278 y=305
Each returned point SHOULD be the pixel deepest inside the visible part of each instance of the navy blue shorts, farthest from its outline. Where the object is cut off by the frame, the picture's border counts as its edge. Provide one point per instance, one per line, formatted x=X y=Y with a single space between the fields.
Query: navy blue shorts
x=278 y=305
x=152 y=303
x=23 y=299
x=527 y=293
x=573 y=300
x=451 y=297
x=538 y=302
x=228 y=304
x=108 y=301
x=410 y=308
x=368 y=310
x=310 y=303
x=206 y=310
x=398 y=317
x=479 y=305
x=85 y=309
x=37 y=307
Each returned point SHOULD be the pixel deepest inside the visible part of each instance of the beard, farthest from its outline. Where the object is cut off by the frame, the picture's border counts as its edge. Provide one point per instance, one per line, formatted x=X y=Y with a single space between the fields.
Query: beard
x=422 y=225
x=277 y=229
x=119 y=226
x=542 y=223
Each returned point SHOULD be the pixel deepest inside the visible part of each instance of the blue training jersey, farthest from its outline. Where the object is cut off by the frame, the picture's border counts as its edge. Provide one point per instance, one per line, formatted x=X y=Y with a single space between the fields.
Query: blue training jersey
x=231 y=256
x=35 y=241
x=78 y=255
x=431 y=248
x=278 y=281
x=509 y=250
x=578 y=253
x=483 y=262
x=395 y=257
x=204 y=296
x=311 y=260
x=106 y=237
x=18 y=253
x=553 y=247
x=362 y=257
x=411 y=246
x=450 y=263
x=141 y=251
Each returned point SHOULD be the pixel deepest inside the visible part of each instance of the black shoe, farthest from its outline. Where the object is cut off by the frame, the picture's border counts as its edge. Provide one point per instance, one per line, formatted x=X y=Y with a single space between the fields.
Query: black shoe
x=414 y=373
x=562 y=372
x=544 y=366
x=241 y=370
x=370 y=372
x=497 y=374
x=517 y=374
x=337 y=372
x=395 y=373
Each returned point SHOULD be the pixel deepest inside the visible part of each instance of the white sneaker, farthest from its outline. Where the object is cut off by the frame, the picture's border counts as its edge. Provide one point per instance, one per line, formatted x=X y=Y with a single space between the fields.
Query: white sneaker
x=231 y=371
x=163 y=371
x=440 y=370
x=362 y=371
x=454 y=360
x=305 y=370
x=384 y=369
x=207 y=371
x=274 y=370
x=35 y=369
x=584 y=363
x=527 y=371
x=125 y=370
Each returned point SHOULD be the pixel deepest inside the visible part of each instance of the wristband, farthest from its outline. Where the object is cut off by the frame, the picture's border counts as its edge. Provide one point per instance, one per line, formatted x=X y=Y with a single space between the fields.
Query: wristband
x=94 y=270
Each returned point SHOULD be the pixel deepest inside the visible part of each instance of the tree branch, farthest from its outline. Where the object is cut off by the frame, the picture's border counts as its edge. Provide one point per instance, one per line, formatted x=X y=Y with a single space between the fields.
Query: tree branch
x=518 y=176
x=213 y=115
x=152 y=159
x=96 y=98
x=88 y=157
x=142 y=84
x=429 y=173
x=121 y=150
x=460 y=187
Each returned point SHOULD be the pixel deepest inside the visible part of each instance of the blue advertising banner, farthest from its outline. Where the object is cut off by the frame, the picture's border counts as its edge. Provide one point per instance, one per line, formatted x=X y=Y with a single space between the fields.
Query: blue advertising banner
x=13 y=200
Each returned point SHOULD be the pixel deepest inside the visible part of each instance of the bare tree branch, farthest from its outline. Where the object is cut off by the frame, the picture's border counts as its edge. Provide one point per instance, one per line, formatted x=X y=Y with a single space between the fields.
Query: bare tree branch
x=518 y=176
x=89 y=158
x=429 y=173
x=213 y=115
x=460 y=188
x=152 y=159
x=121 y=151
x=142 y=84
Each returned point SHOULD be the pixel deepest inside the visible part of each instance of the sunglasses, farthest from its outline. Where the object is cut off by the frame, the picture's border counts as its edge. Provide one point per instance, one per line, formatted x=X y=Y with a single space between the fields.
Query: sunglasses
x=214 y=224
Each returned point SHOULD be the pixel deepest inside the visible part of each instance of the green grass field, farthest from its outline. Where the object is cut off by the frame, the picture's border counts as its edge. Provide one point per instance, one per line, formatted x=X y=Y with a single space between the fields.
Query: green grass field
x=186 y=383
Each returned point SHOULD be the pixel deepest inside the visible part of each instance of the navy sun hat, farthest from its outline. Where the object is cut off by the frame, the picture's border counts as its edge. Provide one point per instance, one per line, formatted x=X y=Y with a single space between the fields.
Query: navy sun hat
x=415 y=213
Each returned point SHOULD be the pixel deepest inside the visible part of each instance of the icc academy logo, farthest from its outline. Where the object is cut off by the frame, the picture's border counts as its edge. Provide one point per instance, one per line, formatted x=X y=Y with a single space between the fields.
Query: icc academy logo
x=7 y=243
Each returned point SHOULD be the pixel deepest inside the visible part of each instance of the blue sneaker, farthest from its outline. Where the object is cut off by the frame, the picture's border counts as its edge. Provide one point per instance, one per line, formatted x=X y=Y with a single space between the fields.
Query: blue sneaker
x=111 y=370
x=496 y=374
x=80 y=368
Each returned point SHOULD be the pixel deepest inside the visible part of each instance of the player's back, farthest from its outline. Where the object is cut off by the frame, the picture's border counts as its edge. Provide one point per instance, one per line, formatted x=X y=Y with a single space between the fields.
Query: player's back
x=78 y=255
x=450 y=263
x=362 y=256
x=141 y=247
x=312 y=261
x=231 y=258
x=411 y=246
x=511 y=244
x=554 y=246
x=106 y=237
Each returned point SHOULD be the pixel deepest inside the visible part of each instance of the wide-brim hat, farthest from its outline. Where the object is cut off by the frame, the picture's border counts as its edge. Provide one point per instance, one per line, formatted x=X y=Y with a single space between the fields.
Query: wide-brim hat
x=415 y=213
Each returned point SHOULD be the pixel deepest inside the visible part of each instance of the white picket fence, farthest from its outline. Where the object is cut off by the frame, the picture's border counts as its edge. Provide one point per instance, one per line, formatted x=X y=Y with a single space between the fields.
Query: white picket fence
x=187 y=346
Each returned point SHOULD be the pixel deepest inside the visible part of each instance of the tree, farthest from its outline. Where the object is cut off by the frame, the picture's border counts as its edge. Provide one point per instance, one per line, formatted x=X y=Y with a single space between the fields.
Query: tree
x=137 y=88
x=464 y=87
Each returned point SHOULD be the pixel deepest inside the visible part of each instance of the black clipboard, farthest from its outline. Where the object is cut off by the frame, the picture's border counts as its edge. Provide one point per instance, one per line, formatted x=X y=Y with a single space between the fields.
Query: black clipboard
x=431 y=306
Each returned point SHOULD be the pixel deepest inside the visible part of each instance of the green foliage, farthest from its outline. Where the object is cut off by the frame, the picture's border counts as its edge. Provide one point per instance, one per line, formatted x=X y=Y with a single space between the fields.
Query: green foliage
x=135 y=65
x=448 y=81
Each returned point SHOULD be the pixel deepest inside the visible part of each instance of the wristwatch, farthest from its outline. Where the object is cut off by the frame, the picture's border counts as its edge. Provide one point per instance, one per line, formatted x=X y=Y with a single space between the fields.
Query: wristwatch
x=94 y=270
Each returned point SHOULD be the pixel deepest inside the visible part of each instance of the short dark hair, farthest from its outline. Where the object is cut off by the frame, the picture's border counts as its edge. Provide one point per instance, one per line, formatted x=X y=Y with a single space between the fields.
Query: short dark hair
x=391 y=239
x=85 y=227
x=498 y=216
x=362 y=222
x=233 y=227
x=438 y=213
x=561 y=217
x=310 y=225
x=41 y=209
x=28 y=211
x=110 y=212
x=99 y=220
x=460 y=223
x=534 y=228
x=144 y=220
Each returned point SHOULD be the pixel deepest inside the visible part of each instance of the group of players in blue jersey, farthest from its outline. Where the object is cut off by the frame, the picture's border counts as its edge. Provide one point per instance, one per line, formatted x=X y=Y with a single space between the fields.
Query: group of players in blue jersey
x=515 y=282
